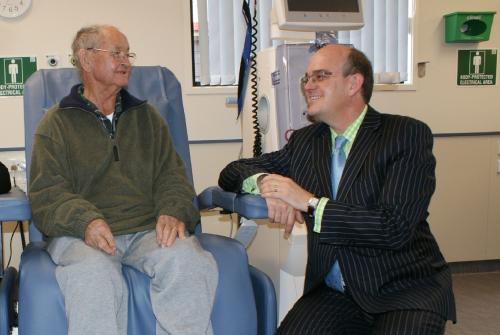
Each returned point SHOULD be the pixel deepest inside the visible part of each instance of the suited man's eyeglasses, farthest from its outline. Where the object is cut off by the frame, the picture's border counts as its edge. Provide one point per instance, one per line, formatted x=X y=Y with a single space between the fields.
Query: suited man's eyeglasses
x=315 y=77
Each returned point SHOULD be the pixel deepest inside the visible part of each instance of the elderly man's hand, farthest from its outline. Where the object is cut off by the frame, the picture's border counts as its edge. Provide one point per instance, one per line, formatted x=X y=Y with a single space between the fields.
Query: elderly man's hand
x=99 y=236
x=167 y=230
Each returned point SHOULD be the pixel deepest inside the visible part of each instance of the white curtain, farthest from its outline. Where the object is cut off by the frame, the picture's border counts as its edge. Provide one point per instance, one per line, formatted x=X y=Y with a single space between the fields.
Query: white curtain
x=384 y=39
x=222 y=27
x=221 y=31
x=204 y=62
x=239 y=36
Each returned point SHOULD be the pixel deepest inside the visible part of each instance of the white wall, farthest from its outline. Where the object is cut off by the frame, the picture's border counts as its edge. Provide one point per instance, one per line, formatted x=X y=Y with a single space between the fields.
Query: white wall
x=437 y=100
x=159 y=32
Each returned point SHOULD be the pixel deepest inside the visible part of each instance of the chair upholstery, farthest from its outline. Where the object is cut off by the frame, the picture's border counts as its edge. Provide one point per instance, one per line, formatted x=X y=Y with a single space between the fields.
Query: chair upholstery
x=13 y=207
x=7 y=285
x=245 y=301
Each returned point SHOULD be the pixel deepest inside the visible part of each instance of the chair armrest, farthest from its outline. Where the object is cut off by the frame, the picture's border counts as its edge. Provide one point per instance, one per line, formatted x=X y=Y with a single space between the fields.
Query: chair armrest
x=14 y=206
x=234 y=310
x=249 y=206
x=265 y=298
x=42 y=302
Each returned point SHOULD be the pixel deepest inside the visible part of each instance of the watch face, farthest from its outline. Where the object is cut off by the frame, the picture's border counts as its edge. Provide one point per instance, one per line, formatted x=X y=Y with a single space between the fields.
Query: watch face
x=14 y=8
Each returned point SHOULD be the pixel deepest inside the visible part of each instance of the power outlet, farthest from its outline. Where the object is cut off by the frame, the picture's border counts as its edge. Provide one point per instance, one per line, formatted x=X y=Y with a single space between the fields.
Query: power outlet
x=71 y=59
x=52 y=60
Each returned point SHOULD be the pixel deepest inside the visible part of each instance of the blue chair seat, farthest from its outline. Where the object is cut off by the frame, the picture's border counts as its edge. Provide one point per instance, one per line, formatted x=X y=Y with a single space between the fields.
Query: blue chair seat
x=41 y=300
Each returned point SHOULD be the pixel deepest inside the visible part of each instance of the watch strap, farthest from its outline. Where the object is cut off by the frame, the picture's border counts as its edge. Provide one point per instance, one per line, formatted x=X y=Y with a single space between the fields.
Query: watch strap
x=312 y=203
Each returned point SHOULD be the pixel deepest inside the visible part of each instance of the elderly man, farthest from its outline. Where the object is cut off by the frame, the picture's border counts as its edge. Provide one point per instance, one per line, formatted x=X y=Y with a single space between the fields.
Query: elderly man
x=107 y=188
x=364 y=181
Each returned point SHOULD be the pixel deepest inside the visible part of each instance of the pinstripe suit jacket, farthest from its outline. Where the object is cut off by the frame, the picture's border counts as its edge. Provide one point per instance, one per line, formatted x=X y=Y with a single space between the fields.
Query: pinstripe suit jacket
x=377 y=227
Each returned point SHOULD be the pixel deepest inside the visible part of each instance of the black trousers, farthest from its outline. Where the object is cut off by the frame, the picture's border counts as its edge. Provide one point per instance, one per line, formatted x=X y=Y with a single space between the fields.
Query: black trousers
x=326 y=311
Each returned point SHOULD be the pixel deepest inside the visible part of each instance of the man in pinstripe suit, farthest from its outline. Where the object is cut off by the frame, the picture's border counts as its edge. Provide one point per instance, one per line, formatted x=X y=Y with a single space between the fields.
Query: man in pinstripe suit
x=373 y=265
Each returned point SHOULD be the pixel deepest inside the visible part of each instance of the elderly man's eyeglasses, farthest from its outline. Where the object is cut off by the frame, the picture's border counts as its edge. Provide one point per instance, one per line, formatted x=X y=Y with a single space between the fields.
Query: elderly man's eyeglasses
x=118 y=55
x=315 y=77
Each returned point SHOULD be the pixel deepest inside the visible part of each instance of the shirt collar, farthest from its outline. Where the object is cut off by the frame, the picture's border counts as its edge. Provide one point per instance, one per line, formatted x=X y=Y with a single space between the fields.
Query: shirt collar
x=92 y=106
x=351 y=131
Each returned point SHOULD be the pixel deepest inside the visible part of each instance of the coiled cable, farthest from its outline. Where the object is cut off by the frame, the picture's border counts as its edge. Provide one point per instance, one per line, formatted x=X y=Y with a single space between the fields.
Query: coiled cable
x=257 y=145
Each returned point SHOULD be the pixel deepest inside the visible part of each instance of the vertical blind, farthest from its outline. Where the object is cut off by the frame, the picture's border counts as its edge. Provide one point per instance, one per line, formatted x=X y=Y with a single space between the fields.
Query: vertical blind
x=384 y=39
x=219 y=34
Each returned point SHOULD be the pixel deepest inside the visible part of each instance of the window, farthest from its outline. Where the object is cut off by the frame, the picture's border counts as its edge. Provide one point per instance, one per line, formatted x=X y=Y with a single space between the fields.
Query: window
x=385 y=39
x=219 y=28
x=218 y=35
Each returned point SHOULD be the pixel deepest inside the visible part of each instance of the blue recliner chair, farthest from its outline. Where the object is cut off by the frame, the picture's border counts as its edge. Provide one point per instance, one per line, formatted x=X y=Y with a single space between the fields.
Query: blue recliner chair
x=245 y=301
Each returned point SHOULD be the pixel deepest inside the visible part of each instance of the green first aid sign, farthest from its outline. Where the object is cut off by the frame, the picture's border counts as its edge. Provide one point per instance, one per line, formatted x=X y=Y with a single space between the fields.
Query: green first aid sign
x=477 y=67
x=13 y=74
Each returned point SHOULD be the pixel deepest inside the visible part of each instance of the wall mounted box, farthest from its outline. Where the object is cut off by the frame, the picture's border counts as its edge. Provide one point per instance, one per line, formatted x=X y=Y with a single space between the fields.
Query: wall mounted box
x=468 y=27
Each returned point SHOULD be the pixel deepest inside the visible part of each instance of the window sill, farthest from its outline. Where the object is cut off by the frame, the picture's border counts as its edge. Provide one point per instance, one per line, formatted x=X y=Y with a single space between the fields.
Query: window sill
x=225 y=90
x=394 y=87
x=211 y=90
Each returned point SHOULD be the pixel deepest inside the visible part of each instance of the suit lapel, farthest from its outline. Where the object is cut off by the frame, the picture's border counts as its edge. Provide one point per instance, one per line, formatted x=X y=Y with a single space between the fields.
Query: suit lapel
x=365 y=139
x=322 y=161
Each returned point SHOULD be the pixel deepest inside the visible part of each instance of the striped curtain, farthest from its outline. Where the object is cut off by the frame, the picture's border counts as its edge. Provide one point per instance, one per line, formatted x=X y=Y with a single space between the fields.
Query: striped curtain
x=384 y=39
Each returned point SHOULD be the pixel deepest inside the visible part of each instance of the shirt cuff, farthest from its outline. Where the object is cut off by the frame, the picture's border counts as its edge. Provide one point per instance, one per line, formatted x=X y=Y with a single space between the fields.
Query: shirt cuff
x=318 y=214
x=250 y=184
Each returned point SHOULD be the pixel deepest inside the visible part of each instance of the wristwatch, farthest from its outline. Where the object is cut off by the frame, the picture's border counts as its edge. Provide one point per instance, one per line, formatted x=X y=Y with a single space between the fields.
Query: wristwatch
x=311 y=206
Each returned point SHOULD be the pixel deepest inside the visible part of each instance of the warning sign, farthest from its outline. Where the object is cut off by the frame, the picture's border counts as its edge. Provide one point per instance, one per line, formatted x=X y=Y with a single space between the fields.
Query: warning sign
x=14 y=71
x=477 y=67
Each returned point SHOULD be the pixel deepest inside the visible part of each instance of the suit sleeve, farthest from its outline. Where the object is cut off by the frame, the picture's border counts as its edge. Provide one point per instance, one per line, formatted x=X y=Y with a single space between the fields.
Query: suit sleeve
x=232 y=176
x=403 y=185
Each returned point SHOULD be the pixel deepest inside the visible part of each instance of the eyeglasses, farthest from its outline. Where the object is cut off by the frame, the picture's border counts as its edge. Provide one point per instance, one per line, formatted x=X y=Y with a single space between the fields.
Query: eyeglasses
x=316 y=76
x=118 y=55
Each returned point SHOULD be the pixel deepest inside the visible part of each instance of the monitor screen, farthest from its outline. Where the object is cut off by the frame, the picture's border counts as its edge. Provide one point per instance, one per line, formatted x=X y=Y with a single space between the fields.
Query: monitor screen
x=323 y=6
x=319 y=15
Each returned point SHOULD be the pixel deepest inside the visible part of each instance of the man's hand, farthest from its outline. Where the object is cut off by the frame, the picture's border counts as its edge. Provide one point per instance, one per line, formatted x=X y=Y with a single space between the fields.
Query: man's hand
x=281 y=212
x=99 y=236
x=167 y=230
x=283 y=188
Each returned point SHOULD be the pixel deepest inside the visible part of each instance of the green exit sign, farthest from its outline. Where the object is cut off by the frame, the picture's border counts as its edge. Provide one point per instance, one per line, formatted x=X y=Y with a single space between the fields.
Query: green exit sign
x=14 y=71
x=477 y=67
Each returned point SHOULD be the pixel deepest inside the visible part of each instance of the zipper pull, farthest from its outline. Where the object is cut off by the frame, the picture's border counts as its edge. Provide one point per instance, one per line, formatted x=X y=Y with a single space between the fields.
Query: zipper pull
x=115 y=153
x=115 y=148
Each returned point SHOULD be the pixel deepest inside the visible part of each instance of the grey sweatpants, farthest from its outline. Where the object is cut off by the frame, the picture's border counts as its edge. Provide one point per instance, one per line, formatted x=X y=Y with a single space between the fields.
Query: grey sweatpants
x=183 y=283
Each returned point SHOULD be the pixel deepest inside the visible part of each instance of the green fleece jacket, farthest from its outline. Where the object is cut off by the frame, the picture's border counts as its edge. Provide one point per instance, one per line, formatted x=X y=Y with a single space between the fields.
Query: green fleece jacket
x=82 y=171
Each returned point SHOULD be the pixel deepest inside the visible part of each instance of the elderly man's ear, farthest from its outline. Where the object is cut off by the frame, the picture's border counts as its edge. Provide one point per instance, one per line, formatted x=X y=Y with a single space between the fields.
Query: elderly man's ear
x=84 y=57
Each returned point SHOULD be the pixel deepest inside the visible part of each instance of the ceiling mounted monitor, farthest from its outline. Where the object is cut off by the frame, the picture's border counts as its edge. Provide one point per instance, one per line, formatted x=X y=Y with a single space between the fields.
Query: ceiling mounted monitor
x=319 y=15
